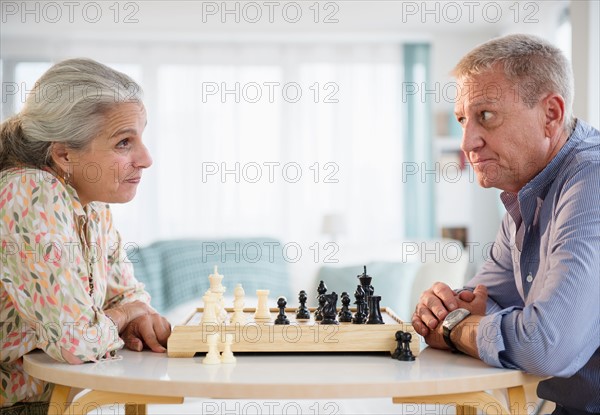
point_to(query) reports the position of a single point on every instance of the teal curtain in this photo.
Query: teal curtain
(418, 169)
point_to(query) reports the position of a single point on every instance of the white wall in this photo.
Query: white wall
(173, 26)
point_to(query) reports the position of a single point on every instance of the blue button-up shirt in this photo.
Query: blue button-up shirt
(543, 277)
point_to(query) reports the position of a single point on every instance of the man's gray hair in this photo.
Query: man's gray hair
(67, 105)
(537, 66)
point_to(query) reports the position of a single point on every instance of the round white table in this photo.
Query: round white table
(146, 377)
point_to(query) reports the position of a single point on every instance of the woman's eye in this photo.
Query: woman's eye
(123, 143)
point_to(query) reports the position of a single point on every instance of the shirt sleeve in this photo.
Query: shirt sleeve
(557, 332)
(122, 286)
(45, 274)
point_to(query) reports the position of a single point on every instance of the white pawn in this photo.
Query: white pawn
(262, 308)
(212, 357)
(209, 315)
(227, 355)
(238, 316)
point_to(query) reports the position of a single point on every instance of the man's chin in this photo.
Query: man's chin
(486, 182)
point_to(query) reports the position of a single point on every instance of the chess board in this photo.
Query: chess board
(298, 336)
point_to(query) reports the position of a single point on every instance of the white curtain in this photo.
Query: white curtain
(265, 140)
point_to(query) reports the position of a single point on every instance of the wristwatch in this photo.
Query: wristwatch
(451, 320)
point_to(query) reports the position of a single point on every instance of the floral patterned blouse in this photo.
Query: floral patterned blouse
(50, 247)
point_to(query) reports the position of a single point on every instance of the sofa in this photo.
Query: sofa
(175, 272)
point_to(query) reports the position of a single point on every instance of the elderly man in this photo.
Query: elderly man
(535, 305)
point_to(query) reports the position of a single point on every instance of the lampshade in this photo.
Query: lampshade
(334, 224)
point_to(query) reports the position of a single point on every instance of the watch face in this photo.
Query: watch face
(455, 317)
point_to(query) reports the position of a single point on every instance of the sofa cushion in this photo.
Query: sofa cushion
(176, 271)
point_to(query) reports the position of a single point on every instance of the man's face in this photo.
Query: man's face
(503, 138)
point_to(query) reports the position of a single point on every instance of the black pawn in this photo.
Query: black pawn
(399, 345)
(345, 316)
(403, 351)
(374, 311)
(302, 313)
(329, 308)
(321, 289)
(359, 316)
(281, 317)
(404, 339)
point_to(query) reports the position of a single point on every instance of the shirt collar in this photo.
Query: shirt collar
(90, 211)
(531, 195)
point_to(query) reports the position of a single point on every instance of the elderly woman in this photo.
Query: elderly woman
(66, 285)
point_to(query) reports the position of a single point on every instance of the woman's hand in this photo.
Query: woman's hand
(149, 330)
(124, 314)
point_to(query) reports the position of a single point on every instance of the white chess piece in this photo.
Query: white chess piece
(238, 316)
(212, 357)
(227, 355)
(217, 288)
(209, 315)
(262, 308)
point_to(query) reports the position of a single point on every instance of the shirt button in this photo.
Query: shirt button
(529, 277)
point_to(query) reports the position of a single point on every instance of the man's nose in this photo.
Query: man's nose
(472, 137)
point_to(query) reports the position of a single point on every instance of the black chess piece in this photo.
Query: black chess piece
(365, 282)
(374, 311)
(359, 316)
(319, 310)
(281, 317)
(399, 345)
(345, 315)
(329, 308)
(302, 313)
(321, 289)
(406, 355)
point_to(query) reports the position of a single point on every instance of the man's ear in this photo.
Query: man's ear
(60, 156)
(554, 111)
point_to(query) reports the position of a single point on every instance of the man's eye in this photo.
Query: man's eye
(486, 115)
(461, 120)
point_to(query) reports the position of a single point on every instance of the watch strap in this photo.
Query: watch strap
(449, 343)
(451, 321)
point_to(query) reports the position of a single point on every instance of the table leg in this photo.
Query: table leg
(59, 400)
(135, 409)
(465, 410)
(466, 403)
(134, 404)
(516, 400)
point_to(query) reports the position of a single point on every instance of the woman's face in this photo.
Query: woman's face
(110, 168)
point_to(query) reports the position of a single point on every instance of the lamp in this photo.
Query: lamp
(334, 224)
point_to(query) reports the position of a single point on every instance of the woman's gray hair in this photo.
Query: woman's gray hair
(67, 105)
(537, 66)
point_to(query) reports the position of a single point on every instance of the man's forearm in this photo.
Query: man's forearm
(464, 335)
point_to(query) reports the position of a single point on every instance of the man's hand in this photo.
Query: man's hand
(475, 301)
(149, 330)
(435, 304)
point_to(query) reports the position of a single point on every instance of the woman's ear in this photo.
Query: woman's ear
(60, 156)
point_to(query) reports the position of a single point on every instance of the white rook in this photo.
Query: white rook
(262, 308)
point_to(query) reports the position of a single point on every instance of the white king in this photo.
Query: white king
(217, 288)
